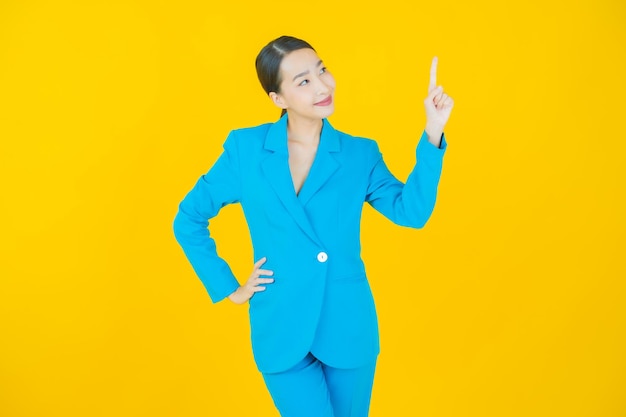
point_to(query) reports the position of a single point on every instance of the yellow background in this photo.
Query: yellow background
(511, 302)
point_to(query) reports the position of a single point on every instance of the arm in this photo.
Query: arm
(412, 203)
(215, 189)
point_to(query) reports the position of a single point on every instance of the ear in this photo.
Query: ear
(277, 100)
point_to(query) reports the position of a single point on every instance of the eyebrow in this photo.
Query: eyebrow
(306, 72)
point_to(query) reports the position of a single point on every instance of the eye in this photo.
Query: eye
(304, 82)
(323, 70)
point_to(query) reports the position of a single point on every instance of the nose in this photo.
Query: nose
(322, 88)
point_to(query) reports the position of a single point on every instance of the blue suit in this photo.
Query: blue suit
(320, 301)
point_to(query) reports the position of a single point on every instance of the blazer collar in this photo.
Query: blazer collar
(276, 170)
(276, 139)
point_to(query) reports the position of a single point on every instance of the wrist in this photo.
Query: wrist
(434, 135)
(234, 295)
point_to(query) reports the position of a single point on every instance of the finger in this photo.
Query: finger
(254, 281)
(258, 288)
(436, 100)
(446, 104)
(440, 99)
(436, 92)
(264, 272)
(260, 262)
(433, 75)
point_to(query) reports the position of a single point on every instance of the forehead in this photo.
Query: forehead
(298, 61)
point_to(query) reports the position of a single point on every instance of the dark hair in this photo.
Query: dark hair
(269, 59)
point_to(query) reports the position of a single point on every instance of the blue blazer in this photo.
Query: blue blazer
(320, 301)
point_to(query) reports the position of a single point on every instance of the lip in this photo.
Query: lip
(326, 102)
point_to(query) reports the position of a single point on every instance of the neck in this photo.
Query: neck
(303, 130)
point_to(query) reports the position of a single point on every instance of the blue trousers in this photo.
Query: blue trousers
(314, 389)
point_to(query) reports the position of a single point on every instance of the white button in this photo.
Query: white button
(322, 256)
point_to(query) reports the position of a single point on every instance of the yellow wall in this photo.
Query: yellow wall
(511, 302)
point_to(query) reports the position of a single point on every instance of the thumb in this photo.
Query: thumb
(429, 102)
(434, 93)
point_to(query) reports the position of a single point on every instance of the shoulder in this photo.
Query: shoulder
(251, 132)
(357, 144)
(357, 151)
(247, 137)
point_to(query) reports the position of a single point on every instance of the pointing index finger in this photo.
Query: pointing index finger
(433, 75)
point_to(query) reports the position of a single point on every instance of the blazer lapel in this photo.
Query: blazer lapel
(276, 170)
(324, 164)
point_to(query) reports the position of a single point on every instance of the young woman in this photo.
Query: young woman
(302, 185)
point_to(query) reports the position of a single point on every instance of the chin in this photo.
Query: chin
(326, 111)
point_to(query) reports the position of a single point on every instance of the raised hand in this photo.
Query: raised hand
(438, 106)
(253, 284)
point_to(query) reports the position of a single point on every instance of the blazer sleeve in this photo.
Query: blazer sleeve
(409, 204)
(220, 186)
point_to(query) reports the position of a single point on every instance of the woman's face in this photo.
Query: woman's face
(307, 87)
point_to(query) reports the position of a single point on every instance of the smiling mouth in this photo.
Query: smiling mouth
(325, 102)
